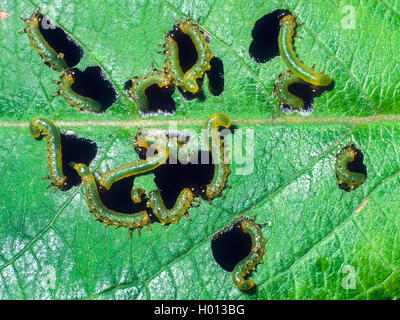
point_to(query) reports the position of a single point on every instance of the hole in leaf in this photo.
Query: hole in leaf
(216, 78)
(92, 83)
(78, 150)
(264, 46)
(60, 41)
(230, 245)
(171, 178)
(186, 49)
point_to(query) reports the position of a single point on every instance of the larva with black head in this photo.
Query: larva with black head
(187, 80)
(43, 127)
(289, 56)
(245, 266)
(136, 220)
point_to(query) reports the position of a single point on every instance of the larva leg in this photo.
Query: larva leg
(244, 267)
(44, 127)
(182, 204)
(100, 212)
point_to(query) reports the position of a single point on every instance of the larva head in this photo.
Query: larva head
(286, 17)
(190, 83)
(199, 191)
(83, 170)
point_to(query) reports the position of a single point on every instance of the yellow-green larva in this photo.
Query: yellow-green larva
(216, 147)
(281, 90)
(245, 266)
(137, 92)
(289, 57)
(43, 127)
(55, 60)
(72, 97)
(173, 215)
(188, 80)
(132, 221)
(178, 145)
(348, 180)
(137, 167)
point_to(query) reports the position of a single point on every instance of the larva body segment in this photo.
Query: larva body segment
(188, 80)
(173, 215)
(289, 57)
(100, 212)
(55, 60)
(137, 91)
(216, 147)
(348, 180)
(281, 90)
(44, 127)
(74, 99)
(137, 167)
(245, 266)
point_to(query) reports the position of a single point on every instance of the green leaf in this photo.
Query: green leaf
(320, 238)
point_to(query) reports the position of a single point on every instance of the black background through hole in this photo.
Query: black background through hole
(265, 34)
(358, 164)
(172, 178)
(186, 49)
(92, 83)
(216, 77)
(78, 150)
(229, 246)
(61, 42)
(307, 93)
(160, 99)
(118, 198)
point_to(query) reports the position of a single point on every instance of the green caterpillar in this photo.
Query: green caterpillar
(281, 90)
(44, 127)
(137, 167)
(221, 168)
(289, 57)
(173, 215)
(109, 217)
(254, 258)
(187, 80)
(348, 180)
(137, 92)
(55, 60)
(74, 99)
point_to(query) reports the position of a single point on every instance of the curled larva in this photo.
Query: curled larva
(173, 215)
(285, 97)
(187, 80)
(216, 147)
(137, 167)
(349, 180)
(245, 266)
(137, 90)
(43, 127)
(55, 60)
(72, 97)
(100, 212)
(289, 57)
